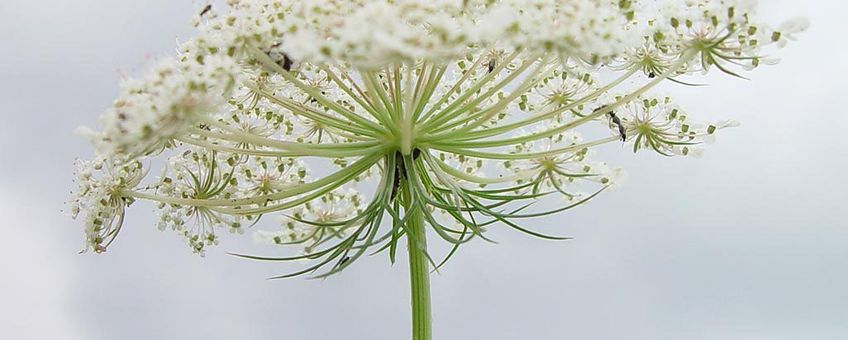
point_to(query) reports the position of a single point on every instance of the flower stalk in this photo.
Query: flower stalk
(419, 270)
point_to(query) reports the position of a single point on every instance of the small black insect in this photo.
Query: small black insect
(286, 62)
(395, 187)
(206, 10)
(617, 121)
(344, 260)
(651, 75)
(491, 65)
(399, 173)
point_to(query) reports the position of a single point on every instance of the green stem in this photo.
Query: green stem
(419, 271)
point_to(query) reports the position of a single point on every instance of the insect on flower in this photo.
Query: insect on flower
(205, 10)
(616, 122)
(281, 58)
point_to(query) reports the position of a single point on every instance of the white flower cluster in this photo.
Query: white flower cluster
(266, 176)
(197, 174)
(655, 123)
(151, 112)
(722, 31)
(376, 33)
(99, 199)
(317, 222)
(456, 107)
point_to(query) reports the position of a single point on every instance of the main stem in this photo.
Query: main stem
(419, 273)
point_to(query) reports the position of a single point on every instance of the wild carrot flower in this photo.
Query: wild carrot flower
(428, 119)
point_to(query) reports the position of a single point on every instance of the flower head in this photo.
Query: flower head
(455, 115)
(151, 112)
(99, 199)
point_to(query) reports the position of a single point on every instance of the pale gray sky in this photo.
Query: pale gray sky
(749, 242)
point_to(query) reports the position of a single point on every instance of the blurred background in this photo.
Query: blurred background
(748, 242)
